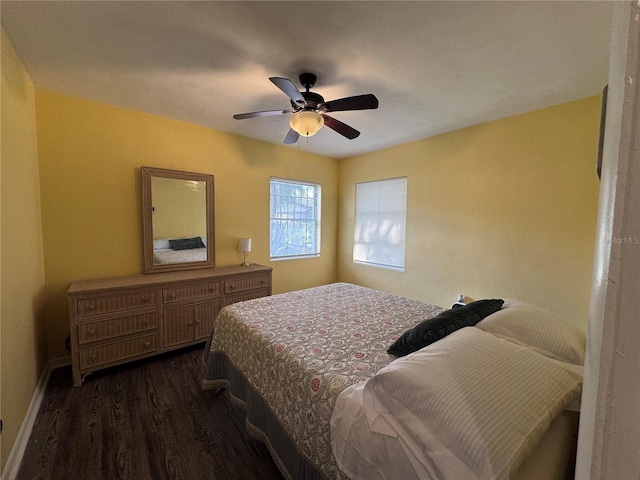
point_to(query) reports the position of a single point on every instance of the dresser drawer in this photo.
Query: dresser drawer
(113, 352)
(249, 283)
(115, 303)
(202, 290)
(115, 327)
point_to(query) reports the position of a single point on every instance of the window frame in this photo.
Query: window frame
(317, 220)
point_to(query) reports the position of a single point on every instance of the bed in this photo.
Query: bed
(311, 370)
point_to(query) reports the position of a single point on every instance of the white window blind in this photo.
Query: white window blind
(294, 219)
(380, 223)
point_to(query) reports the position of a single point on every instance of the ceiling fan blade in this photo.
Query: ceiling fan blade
(342, 128)
(292, 137)
(264, 113)
(358, 102)
(289, 89)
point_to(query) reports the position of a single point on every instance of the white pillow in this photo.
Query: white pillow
(161, 244)
(471, 405)
(538, 329)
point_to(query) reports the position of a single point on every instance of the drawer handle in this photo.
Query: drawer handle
(91, 306)
(190, 322)
(197, 322)
(91, 332)
(172, 295)
(147, 344)
(144, 299)
(145, 322)
(93, 356)
(262, 282)
(231, 287)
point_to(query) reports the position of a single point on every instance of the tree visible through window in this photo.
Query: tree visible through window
(380, 223)
(294, 219)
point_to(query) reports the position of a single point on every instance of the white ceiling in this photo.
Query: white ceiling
(434, 66)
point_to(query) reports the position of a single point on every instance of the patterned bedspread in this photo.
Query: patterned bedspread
(295, 353)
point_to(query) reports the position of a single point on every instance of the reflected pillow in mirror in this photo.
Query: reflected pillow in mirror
(186, 243)
(161, 244)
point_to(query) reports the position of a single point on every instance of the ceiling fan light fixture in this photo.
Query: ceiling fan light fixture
(306, 122)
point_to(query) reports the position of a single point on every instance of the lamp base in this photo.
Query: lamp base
(245, 264)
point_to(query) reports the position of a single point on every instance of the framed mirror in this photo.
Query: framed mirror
(177, 220)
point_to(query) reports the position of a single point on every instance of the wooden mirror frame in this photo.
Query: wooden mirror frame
(147, 221)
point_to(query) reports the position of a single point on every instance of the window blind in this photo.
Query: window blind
(380, 223)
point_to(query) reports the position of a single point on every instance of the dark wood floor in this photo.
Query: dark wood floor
(148, 420)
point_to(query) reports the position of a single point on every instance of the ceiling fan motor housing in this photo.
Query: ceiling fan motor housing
(308, 80)
(312, 99)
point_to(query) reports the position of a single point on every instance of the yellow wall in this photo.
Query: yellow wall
(503, 209)
(22, 345)
(90, 157)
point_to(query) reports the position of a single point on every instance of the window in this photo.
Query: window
(294, 219)
(380, 223)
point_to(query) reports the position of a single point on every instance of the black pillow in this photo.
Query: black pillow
(186, 243)
(433, 329)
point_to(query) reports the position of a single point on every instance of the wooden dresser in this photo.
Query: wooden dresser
(117, 320)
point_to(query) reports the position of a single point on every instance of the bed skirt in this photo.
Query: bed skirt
(260, 422)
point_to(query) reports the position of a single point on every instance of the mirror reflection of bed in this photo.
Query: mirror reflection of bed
(179, 250)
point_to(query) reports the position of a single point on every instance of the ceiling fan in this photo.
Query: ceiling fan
(310, 110)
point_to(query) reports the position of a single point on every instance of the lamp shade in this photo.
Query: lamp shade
(244, 245)
(306, 122)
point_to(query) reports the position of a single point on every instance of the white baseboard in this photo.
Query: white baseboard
(20, 445)
(60, 362)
